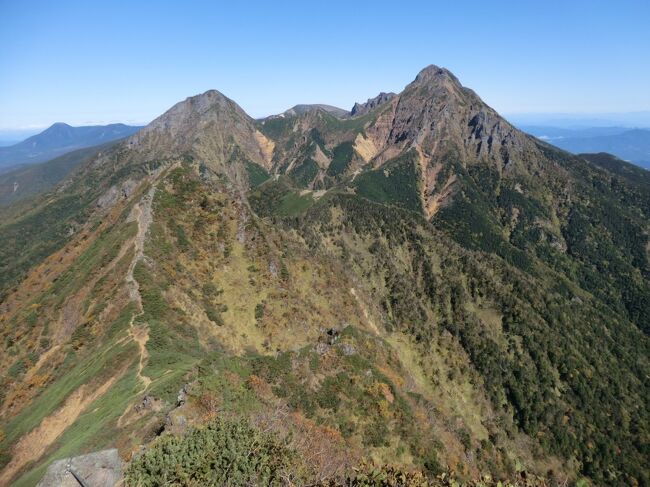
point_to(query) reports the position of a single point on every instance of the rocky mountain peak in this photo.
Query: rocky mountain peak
(380, 99)
(440, 119)
(436, 107)
(435, 73)
(210, 126)
(211, 105)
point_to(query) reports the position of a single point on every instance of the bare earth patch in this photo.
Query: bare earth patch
(33, 444)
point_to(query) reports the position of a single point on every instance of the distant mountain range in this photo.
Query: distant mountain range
(632, 145)
(59, 139)
(582, 120)
(29, 180)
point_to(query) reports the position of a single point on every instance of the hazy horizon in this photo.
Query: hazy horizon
(628, 120)
(84, 63)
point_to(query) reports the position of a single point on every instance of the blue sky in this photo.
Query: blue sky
(98, 61)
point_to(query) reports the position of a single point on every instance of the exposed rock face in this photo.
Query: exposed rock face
(444, 121)
(99, 469)
(435, 112)
(371, 104)
(434, 115)
(210, 127)
(114, 193)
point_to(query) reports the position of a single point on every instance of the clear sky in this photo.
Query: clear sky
(99, 61)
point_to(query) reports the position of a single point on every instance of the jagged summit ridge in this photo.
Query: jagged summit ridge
(372, 103)
(431, 115)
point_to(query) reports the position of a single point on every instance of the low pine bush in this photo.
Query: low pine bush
(222, 453)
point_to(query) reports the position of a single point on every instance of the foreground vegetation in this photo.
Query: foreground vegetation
(232, 453)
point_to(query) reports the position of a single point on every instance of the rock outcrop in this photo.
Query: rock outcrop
(371, 104)
(99, 469)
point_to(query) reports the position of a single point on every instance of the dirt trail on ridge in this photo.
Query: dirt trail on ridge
(141, 214)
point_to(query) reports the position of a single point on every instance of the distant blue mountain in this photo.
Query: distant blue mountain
(582, 120)
(8, 142)
(631, 145)
(59, 139)
(27, 181)
(550, 133)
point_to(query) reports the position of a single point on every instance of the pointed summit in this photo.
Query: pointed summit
(210, 126)
(434, 73)
(59, 129)
(57, 125)
(184, 116)
(437, 81)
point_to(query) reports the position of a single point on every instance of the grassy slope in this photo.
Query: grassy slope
(92, 354)
(80, 286)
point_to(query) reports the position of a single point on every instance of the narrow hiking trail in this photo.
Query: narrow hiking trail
(34, 444)
(141, 214)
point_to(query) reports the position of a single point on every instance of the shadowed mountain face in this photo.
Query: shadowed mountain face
(417, 282)
(59, 139)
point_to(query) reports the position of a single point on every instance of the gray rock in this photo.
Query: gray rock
(127, 188)
(321, 348)
(114, 193)
(182, 395)
(99, 469)
(108, 198)
(348, 349)
(332, 336)
(176, 420)
(371, 104)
